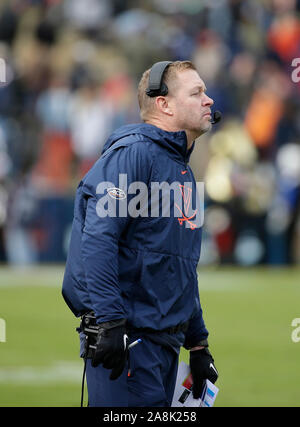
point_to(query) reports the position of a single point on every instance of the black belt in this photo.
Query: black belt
(182, 327)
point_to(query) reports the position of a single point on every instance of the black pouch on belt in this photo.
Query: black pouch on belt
(90, 329)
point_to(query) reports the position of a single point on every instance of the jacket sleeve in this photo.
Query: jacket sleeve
(106, 218)
(197, 330)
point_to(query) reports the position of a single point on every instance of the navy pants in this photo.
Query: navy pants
(152, 381)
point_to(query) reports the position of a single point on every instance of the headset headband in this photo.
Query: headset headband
(156, 86)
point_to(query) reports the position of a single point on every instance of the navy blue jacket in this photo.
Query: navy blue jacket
(141, 268)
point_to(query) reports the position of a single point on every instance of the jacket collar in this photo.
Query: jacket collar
(174, 142)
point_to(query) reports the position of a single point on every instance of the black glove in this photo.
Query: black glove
(202, 368)
(111, 347)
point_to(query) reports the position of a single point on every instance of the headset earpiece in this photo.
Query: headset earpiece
(156, 86)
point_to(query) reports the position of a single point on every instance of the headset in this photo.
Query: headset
(157, 87)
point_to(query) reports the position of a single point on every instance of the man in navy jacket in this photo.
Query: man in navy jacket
(135, 246)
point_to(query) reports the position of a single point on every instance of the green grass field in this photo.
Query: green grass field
(247, 311)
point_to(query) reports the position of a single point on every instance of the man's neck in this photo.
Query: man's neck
(191, 136)
(171, 128)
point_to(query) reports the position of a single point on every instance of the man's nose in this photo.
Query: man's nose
(208, 101)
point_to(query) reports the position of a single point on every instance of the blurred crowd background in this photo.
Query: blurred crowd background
(72, 69)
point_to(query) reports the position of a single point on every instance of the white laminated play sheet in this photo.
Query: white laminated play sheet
(183, 395)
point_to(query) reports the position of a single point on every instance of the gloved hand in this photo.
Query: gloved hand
(202, 368)
(111, 347)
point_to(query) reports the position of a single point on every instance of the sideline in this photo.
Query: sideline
(61, 372)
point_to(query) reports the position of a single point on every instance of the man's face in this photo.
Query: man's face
(190, 104)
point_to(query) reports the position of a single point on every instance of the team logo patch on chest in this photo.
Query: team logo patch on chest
(116, 193)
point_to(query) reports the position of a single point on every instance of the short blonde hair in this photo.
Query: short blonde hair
(146, 103)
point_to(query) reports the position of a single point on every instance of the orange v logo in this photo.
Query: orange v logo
(186, 194)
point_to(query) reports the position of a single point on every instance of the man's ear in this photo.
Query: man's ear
(163, 105)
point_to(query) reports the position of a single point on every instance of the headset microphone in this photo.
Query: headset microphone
(216, 117)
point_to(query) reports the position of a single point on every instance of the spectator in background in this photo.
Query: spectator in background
(90, 121)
